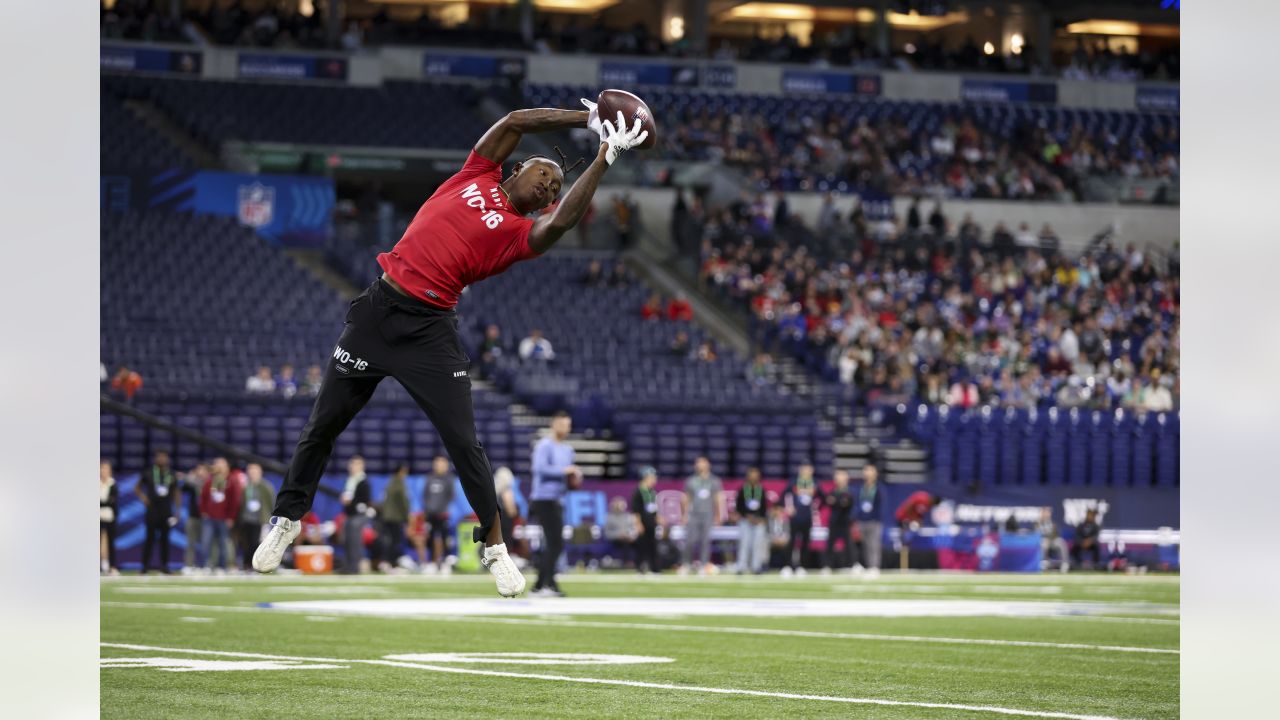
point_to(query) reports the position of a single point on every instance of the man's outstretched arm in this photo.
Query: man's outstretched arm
(549, 228)
(502, 138)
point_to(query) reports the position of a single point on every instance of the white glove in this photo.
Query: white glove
(620, 141)
(593, 119)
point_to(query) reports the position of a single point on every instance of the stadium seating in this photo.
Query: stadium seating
(785, 130)
(998, 446)
(197, 303)
(397, 114)
(128, 144)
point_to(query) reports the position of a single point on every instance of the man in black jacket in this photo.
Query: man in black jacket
(1086, 540)
(160, 493)
(840, 501)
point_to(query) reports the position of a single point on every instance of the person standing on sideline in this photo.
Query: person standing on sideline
(1086, 540)
(753, 515)
(192, 484)
(553, 474)
(357, 506)
(504, 483)
(392, 517)
(159, 492)
(840, 502)
(801, 497)
(255, 512)
(702, 502)
(219, 506)
(644, 506)
(868, 514)
(437, 496)
(108, 506)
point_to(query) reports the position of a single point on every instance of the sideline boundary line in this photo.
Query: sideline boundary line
(728, 630)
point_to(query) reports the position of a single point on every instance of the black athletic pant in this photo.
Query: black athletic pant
(389, 334)
(838, 532)
(1078, 550)
(392, 541)
(798, 551)
(156, 531)
(550, 518)
(247, 536)
(647, 549)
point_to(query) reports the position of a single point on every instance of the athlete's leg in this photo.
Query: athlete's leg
(445, 396)
(341, 397)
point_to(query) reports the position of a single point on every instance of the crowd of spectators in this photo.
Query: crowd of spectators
(140, 20)
(284, 383)
(497, 27)
(960, 316)
(960, 157)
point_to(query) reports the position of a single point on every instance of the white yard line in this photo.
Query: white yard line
(634, 683)
(727, 630)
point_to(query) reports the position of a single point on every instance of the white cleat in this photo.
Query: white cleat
(283, 532)
(510, 580)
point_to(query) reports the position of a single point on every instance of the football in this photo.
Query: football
(611, 102)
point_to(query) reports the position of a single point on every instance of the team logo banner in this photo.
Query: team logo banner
(1004, 91)
(291, 67)
(123, 58)
(806, 81)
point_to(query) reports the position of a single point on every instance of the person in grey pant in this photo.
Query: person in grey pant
(753, 509)
(703, 493)
(867, 510)
(357, 502)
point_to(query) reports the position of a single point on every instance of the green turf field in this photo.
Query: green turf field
(1074, 646)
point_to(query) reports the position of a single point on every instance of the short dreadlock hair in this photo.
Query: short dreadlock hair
(564, 165)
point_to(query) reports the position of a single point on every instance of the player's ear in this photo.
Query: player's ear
(516, 169)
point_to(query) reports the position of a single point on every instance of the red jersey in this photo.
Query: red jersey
(915, 507)
(465, 232)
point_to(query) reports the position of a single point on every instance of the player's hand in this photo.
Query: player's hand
(173, 521)
(593, 119)
(620, 139)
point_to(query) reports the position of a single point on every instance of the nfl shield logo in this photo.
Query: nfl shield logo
(257, 203)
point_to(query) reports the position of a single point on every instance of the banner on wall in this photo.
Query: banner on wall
(472, 66)
(627, 74)
(291, 67)
(808, 81)
(1157, 98)
(1008, 91)
(120, 58)
(287, 209)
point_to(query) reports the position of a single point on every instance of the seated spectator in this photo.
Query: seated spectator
(761, 371)
(1157, 397)
(594, 276)
(1056, 364)
(680, 345)
(261, 382)
(285, 381)
(491, 348)
(621, 276)
(706, 352)
(536, 347)
(311, 384)
(126, 381)
(678, 308)
(964, 394)
(652, 308)
(1086, 540)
